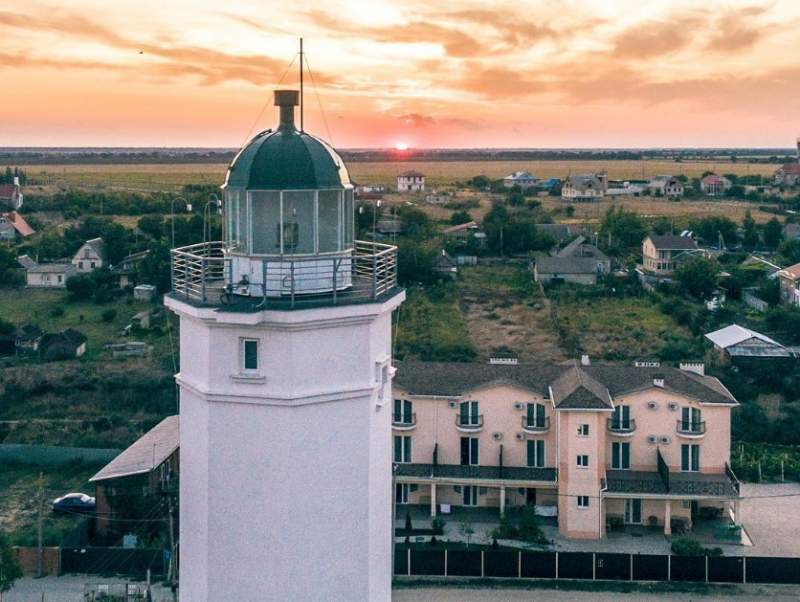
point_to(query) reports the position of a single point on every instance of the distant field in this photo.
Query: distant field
(439, 173)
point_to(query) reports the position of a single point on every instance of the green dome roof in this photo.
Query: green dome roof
(287, 159)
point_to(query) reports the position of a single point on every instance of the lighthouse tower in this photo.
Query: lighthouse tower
(285, 384)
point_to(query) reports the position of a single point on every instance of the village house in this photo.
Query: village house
(523, 179)
(67, 344)
(11, 195)
(411, 181)
(559, 232)
(736, 342)
(788, 174)
(584, 188)
(125, 270)
(464, 232)
(91, 256)
(714, 185)
(666, 186)
(48, 275)
(661, 252)
(577, 263)
(12, 224)
(27, 338)
(789, 282)
(129, 486)
(590, 446)
(445, 266)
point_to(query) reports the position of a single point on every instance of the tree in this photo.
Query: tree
(9, 568)
(698, 276)
(624, 227)
(81, 286)
(152, 225)
(710, 228)
(460, 217)
(773, 233)
(750, 239)
(467, 530)
(415, 263)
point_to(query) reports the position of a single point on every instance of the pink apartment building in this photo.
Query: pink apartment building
(648, 445)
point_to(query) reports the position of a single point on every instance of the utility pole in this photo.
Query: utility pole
(39, 518)
(172, 564)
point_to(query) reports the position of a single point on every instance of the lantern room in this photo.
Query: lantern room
(288, 195)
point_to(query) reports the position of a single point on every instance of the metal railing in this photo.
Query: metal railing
(684, 427)
(203, 273)
(404, 420)
(469, 421)
(616, 425)
(532, 424)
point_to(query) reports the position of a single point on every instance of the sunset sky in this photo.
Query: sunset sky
(443, 73)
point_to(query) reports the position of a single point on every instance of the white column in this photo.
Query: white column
(502, 500)
(433, 499)
(667, 517)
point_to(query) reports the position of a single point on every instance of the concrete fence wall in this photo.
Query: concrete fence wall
(54, 455)
(28, 560)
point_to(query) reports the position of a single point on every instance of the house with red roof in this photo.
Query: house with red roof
(11, 195)
(789, 279)
(788, 175)
(12, 224)
(714, 185)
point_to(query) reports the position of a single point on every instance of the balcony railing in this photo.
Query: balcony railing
(691, 429)
(404, 422)
(471, 422)
(621, 427)
(532, 425)
(202, 273)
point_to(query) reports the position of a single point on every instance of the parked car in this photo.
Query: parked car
(74, 502)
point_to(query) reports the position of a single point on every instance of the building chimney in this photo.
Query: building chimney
(287, 100)
(585, 361)
(694, 367)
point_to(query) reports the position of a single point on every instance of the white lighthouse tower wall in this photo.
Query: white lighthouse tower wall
(286, 472)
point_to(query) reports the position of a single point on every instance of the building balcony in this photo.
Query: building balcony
(621, 428)
(461, 473)
(203, 275)
(691, 430)
(534, 426)
(469, 424)
(404, 422)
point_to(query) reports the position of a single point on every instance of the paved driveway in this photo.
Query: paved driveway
(771, 517)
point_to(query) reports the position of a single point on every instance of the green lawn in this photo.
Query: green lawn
(24, 305)
(618, 328)
(18, 507)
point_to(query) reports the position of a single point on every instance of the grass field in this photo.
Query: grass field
(23, 305)
(439, 173)
(20, 484)
(613, 328)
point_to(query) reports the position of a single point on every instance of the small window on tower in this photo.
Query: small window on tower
(250, 355)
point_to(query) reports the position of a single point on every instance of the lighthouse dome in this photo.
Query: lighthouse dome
(287, 158)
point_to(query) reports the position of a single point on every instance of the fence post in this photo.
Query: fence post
(594, 566)
(744, 569)
(706, 557)
(445, 562)
(669, 567)
(519, 564)
(483, 552)
(556, 565)
(630, 557)
(408, 561)
(759, 471)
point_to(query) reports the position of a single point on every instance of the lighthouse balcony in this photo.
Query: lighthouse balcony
(209, 274)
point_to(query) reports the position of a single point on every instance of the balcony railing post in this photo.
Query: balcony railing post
(203, 278)
(374, 273)
(291, 277)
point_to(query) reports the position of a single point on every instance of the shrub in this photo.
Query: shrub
(684, 546)
(437, 524)
(56, 311)
(109, 315)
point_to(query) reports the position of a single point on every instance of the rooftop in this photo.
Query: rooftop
(672, 242)
(456, 379)
(146, 453)
(566, 265)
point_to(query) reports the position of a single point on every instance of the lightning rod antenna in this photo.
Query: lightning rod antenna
(301, 85)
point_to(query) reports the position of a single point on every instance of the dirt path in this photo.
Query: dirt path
(505, 311)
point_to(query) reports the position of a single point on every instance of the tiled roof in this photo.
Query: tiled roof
(146, 453)
(51, 268)
(454, 379)
(672, 242)
(576, 389)
(19, 223)
(792, 271)
(411, 174)
(790, 168)
(566, 265)
(7, 191)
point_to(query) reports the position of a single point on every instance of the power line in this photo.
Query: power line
(319, 102)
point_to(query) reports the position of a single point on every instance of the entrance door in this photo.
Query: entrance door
(633, 512)
(530, 496)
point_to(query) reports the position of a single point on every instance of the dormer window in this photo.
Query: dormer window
(658, 381)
